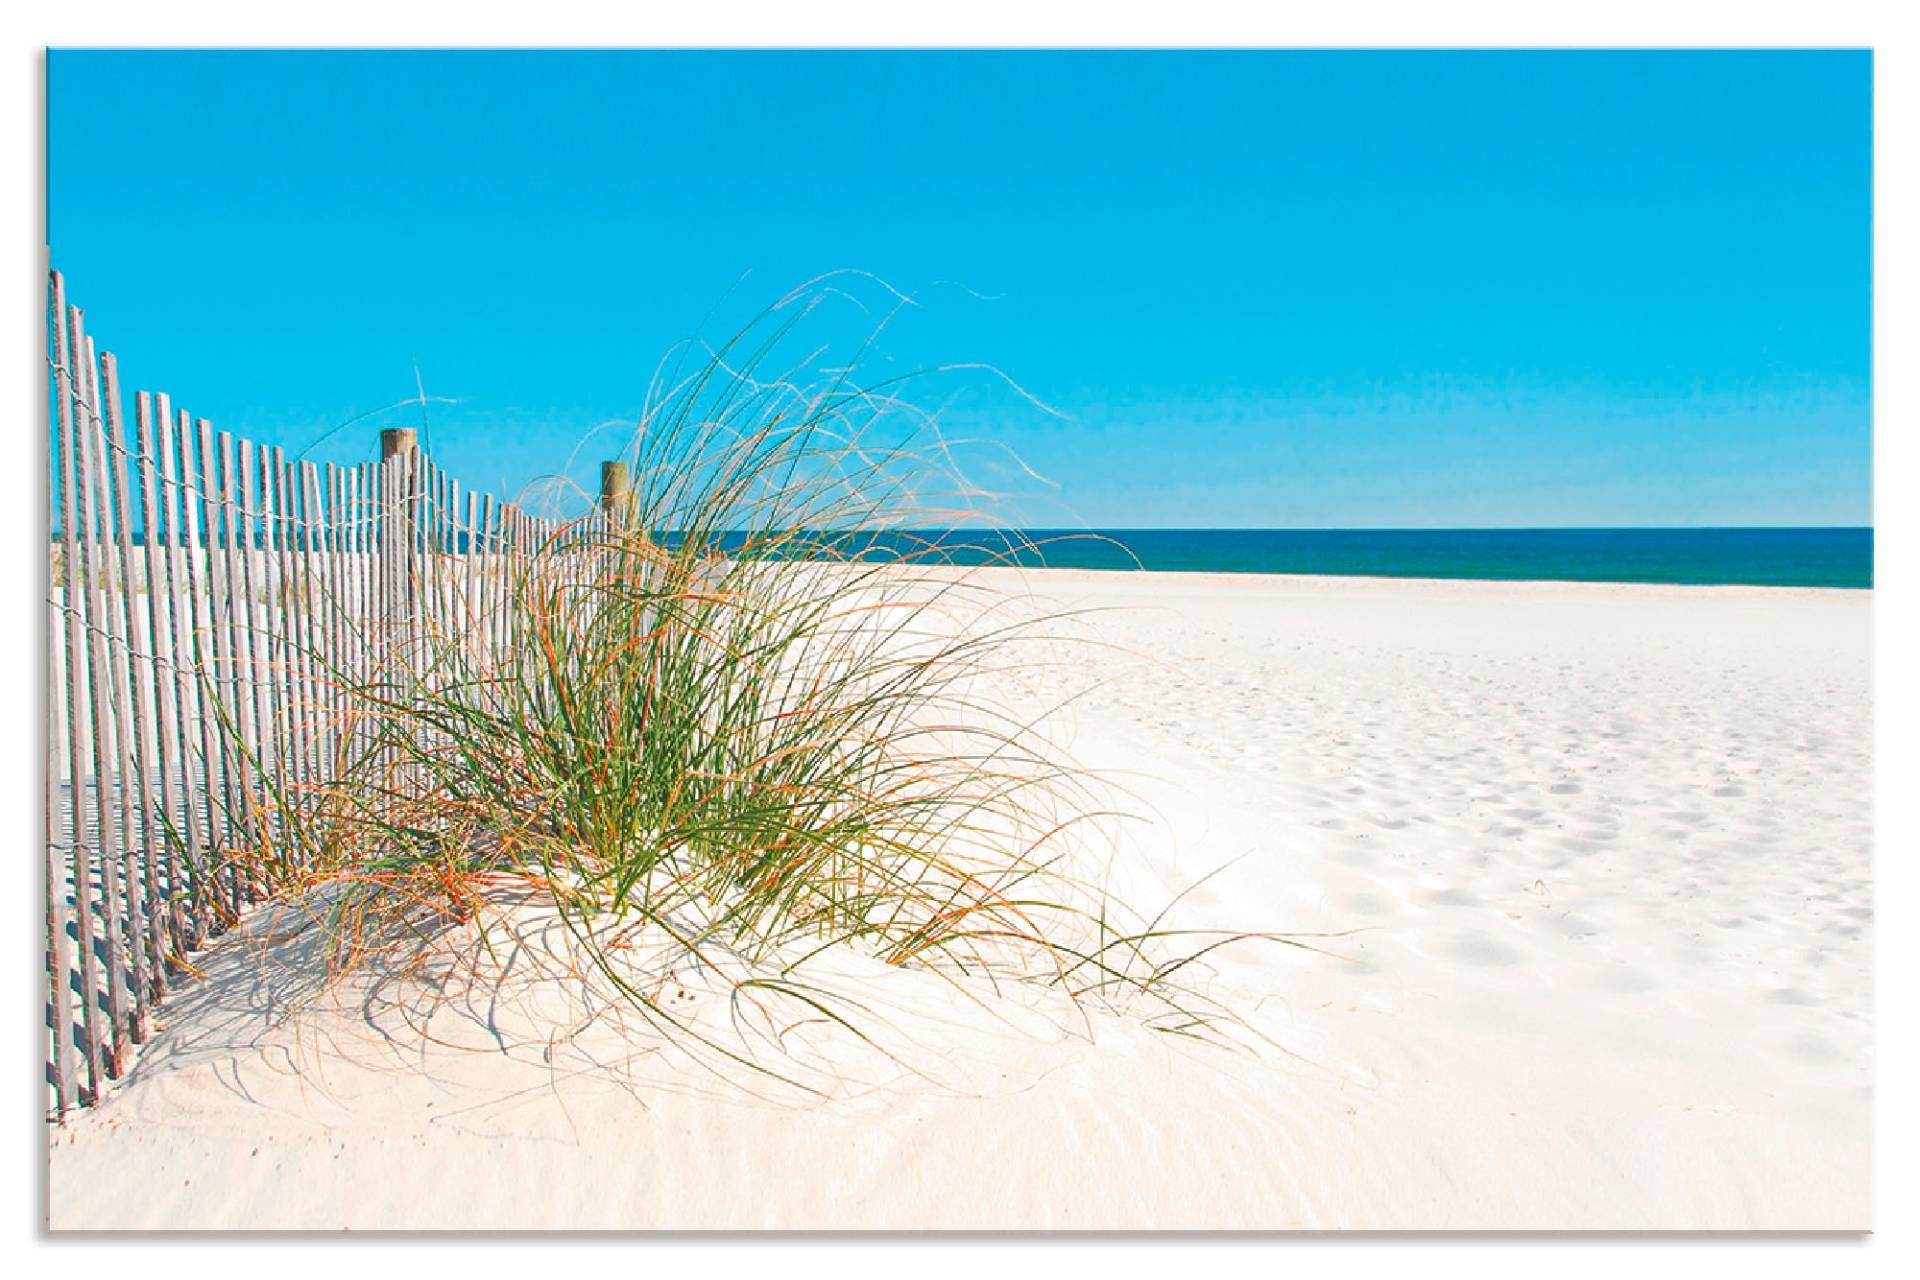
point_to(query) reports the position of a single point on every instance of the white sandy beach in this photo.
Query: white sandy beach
(1605, 850)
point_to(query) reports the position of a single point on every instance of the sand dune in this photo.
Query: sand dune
(1600, 857)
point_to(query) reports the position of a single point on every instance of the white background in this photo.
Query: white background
(974, 23)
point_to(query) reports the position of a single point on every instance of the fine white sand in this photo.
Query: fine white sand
(1605, 851)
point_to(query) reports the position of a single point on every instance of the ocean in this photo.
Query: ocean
(1768, 557)
(1777, 557)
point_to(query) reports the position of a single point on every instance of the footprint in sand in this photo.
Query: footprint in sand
(1574, 928)
(1623, 978)
(1476, 949)
(1812, 1048)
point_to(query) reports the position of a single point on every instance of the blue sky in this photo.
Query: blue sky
(1258, 289)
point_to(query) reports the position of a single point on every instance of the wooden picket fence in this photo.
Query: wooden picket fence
(214, 611)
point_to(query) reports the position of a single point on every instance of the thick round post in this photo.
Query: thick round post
(399, 553)
(395, 441)
(616, 493)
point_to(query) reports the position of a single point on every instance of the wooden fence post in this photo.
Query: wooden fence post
(616, 494)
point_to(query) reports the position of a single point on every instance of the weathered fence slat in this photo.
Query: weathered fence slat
(196, 473)
(61, 1064)
(111, 858)
(157, 535)
(223, 692)
(332, 584)
(75, 868)
(274, 643)
(488, 572)
(255, 691)
(295, 621)
(279, 739)
(303, 487)
(115, 588)
(132, 669)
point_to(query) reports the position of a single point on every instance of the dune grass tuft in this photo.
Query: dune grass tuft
(744, 723)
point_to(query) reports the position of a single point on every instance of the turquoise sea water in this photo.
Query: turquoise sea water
(1778, 557)
(1784, 557)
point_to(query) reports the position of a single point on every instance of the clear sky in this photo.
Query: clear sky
(1260, 289)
